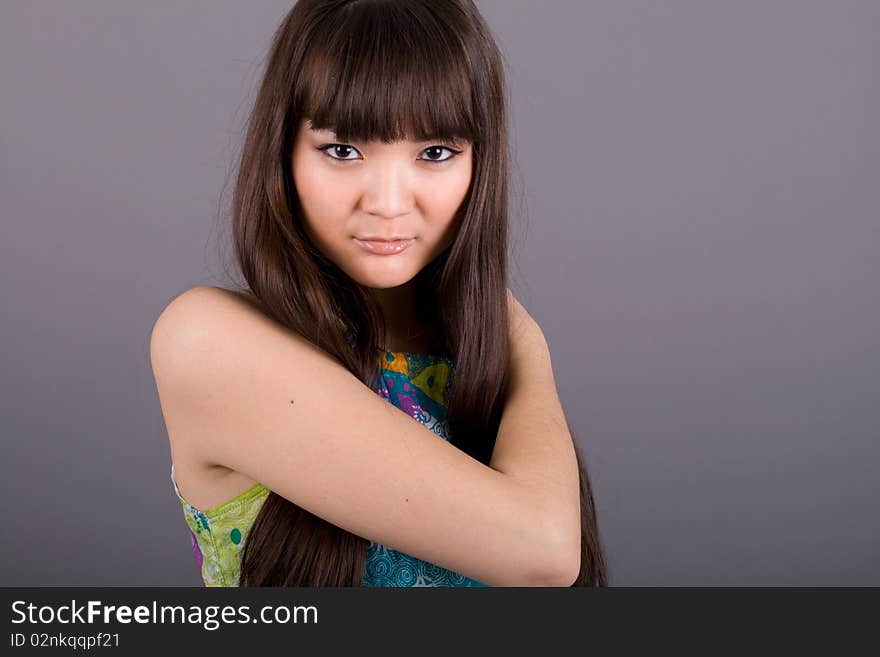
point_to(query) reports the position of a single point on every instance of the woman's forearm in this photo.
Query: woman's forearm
(533, 445)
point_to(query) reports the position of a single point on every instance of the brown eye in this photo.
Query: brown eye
(438, 150)
(340, 151)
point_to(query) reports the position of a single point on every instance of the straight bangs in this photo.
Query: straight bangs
(388, 72)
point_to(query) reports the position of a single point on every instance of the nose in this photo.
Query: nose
(388, 190)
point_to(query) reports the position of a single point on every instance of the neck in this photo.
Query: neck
(398, 305)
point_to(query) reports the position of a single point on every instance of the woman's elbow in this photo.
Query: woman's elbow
(561, 564)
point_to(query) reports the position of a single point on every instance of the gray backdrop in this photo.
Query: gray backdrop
(695, 227)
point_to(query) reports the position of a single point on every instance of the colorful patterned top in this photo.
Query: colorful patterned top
(418, 384)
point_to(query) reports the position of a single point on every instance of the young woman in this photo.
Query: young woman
(370, 223)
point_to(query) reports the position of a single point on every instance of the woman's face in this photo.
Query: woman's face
(349, 192)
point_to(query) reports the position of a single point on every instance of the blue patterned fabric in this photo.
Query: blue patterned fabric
(417, 384)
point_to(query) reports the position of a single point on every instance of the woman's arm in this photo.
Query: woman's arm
(534, 445)
(240, 391)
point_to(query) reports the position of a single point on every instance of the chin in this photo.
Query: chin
(384, 280)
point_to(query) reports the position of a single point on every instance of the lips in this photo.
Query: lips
(383, 246)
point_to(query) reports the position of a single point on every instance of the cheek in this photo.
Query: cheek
(322, 198)
(446, 198)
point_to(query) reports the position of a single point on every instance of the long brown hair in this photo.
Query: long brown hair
(389, 70)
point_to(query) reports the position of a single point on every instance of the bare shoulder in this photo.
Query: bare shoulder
(181, 339)
(199, 309)
(201, 323)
